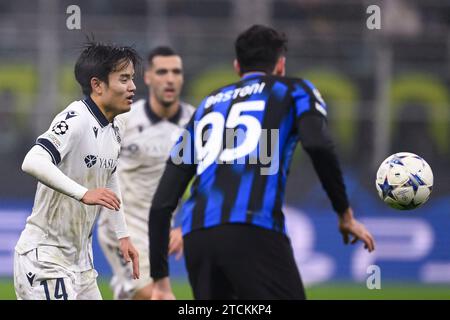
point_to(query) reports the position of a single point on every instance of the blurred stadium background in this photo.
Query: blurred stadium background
(387, 91)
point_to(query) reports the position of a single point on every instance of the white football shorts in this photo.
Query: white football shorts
(41, 280)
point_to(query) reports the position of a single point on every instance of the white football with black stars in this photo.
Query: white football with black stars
(404, 181)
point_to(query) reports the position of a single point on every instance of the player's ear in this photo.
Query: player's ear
(280, 67)
(237, 67)
(96, 85)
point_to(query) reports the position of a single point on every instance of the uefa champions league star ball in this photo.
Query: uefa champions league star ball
(404, 181)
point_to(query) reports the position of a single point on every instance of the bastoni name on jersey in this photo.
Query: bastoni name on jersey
(233, 94)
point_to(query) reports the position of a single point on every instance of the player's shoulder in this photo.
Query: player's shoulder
(187, 109)
(74, 115)
(305, 86)
(291, 81)
(73, 110)
(70, 122)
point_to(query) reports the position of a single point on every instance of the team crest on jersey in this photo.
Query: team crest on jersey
(60, 128)
(71, 114)
(90, 160)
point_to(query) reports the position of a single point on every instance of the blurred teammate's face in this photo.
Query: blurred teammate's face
(165, 79)
(117, 96)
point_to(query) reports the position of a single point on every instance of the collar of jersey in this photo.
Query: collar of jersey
(250, 75)
(154, 118)
(96, 112)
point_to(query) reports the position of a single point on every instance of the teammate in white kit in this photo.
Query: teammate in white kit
(75, 162)
(151, 127)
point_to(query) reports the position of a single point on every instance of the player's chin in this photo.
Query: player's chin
(169, 100)
(126, 106)
(169, 95)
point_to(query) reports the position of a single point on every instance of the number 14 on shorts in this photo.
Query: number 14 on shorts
(54, 289)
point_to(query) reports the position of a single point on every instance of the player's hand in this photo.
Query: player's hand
(349, 226)
(176, 243)
(103, 197)
(129, 253)
(162, 290)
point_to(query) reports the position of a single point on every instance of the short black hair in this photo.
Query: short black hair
(99, 60)
(259, 47)
(164, 51)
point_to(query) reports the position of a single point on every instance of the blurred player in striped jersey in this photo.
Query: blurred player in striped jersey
(236, 245)
(75, 162)
(152, 126)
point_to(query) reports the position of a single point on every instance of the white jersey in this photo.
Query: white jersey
(85, 147)
(146, 145)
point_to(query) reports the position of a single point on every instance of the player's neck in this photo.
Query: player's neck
(253, 73)
(108, 114)
(162, 111)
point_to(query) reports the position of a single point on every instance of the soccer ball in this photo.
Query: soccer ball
(404, 181)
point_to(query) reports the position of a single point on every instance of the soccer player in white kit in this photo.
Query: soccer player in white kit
(151, 127)
(75, 162)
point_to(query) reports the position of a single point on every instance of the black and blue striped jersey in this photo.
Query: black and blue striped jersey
(242, 138)
(238, 146)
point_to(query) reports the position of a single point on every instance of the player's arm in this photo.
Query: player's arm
(170, 189)
(52, 147)
(119, 224)
(162, 290)
(316, 140)
(179, 171)
(180, 168)
(39, 163)
(176, 244)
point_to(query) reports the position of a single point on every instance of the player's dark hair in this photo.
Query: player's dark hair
(259, 48)
(160, 51)
(99, 60)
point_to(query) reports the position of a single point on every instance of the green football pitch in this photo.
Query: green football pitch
(345, 291)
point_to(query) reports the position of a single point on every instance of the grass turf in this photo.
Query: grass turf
(328, 291)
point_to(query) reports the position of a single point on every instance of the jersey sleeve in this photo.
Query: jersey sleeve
(62, 136)
(316, 139)
(307, 99)
(38, 163)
